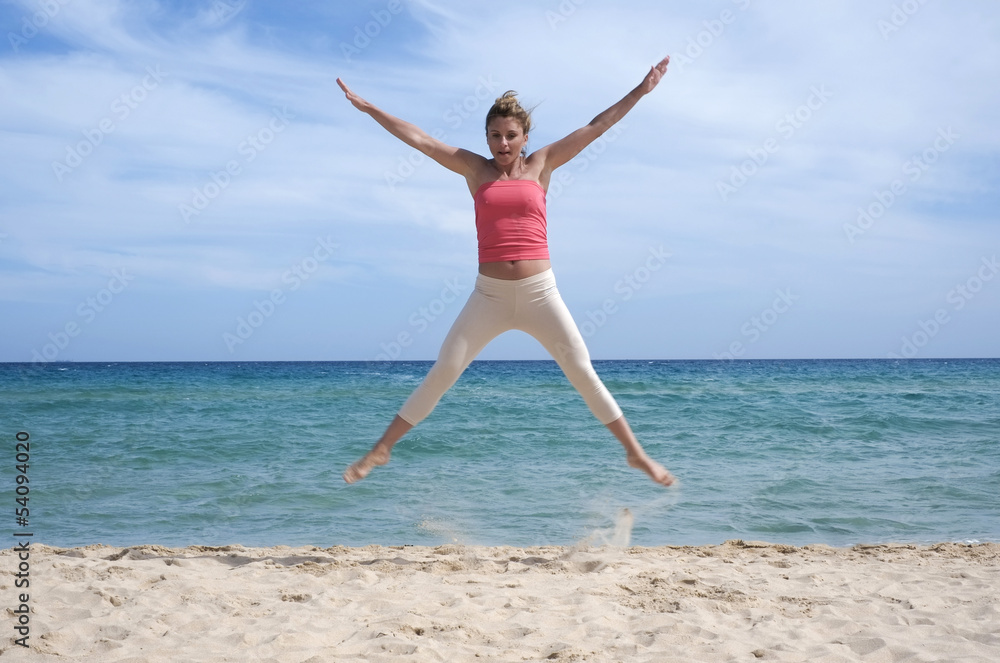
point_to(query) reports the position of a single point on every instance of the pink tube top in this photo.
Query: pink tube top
(510, 221)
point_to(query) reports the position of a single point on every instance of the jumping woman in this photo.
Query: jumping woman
(515, 288)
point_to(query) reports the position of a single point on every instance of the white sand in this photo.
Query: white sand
(734, 602)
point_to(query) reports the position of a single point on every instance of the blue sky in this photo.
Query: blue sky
(185, 181)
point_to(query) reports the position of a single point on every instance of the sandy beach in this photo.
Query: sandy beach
(739, 601)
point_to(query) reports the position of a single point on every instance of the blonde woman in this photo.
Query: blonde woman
(515, 288)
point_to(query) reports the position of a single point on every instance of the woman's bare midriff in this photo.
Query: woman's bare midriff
(511, 270)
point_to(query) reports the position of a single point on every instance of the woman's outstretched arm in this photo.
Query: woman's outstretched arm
(455, 159)
(562, 151)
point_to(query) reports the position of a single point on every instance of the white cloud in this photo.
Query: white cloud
(735, 78)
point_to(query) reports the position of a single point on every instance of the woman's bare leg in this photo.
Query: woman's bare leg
(636, 455)
(379, 455)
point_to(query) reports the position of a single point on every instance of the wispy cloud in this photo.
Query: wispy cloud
(118, 115)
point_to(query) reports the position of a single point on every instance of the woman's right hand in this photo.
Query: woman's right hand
(355, 100)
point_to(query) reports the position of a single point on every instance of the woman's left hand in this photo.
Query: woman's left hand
(655, 74)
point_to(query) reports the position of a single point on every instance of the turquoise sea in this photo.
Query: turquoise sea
(818, 451)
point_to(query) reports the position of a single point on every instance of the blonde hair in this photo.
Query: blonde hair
(509, 106)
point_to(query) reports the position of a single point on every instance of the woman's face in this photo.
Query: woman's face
(506, 138)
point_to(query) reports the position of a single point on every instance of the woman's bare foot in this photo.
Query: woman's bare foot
(379, 455)
(360, 469)
(656, 472)
(637, 457)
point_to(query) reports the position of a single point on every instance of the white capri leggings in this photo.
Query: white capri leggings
(532, 305)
